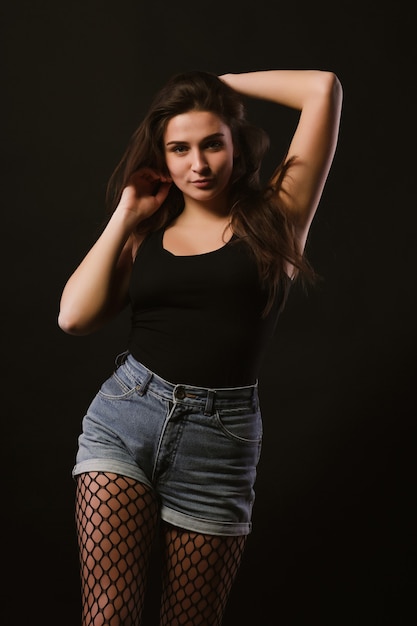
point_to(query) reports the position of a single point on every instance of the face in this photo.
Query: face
(199, 155)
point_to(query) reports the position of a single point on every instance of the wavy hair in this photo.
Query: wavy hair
(257, 216)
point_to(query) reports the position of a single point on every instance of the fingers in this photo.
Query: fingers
(162, 191)
(150, 175)
(149, 182)
(145, 192)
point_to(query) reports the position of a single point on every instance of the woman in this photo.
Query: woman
(204, 254)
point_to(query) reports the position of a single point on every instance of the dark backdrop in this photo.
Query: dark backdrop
(334, 522)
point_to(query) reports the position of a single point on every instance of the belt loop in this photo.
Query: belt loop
(144, 384)
(208, 409)
(121, 358)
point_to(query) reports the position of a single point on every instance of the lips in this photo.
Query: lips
(203, 182)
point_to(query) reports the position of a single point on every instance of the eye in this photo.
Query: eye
(215, 144)
(179, 149)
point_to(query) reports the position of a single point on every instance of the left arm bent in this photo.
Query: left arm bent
(318, 96)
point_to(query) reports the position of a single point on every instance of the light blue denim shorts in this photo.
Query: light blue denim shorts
(198, 448)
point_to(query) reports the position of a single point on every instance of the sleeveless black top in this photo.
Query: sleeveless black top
(197, 319)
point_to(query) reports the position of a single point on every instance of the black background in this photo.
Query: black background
(335, 517)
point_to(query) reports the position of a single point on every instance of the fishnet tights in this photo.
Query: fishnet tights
(198, 573)
(116, 520)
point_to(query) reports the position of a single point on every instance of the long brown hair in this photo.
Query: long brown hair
(257, 216)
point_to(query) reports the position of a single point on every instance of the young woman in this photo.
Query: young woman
(204, 254)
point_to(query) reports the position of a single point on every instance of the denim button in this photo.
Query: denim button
(180, 393)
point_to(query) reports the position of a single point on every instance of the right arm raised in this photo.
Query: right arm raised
(98, 288)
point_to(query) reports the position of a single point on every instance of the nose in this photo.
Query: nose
(199, 162)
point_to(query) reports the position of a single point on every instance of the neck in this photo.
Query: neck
(213, 211)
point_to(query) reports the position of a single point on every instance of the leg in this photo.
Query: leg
(198, 573)
(116, 519)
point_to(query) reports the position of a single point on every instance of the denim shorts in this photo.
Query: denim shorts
(197, 448)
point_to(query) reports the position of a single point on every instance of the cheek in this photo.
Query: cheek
(226, 167)
(174, 175)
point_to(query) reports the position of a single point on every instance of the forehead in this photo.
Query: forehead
(195, 125)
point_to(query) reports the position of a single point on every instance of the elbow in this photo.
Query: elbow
(71, 324)
(336, 89)
(330, 85)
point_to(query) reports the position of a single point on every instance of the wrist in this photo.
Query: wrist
(124, 219)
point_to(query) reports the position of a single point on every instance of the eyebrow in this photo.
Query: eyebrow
(213, 136)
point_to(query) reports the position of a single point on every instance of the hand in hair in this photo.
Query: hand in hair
(145, 192)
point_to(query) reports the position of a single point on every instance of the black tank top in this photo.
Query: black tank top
(197, 319)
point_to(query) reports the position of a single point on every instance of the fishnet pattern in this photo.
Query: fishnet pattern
(198, 573)
(116, 519)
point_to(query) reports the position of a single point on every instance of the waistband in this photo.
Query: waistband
(188, 394)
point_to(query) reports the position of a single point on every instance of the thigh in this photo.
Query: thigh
(198, 574)
(116, 519)
(114, 510)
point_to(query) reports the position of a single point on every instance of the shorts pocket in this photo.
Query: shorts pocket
(118, 385)
(241, 425)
